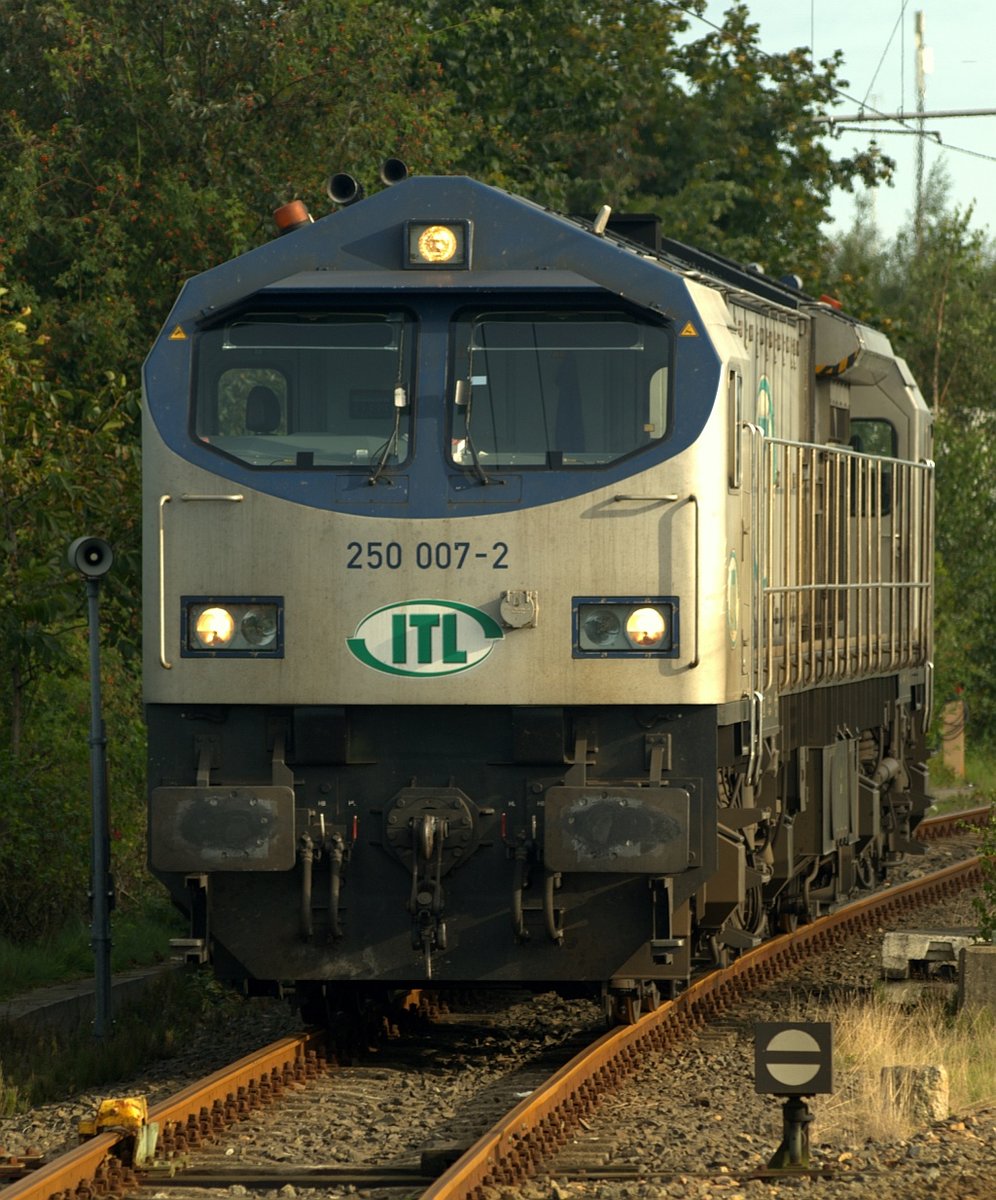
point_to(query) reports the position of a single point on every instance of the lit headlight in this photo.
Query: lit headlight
(438, 244)
(621, 627)
(234, 627)
(213, 628)
(646, 628)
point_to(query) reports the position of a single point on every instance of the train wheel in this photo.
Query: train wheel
(625, 1007)
(621, 1008)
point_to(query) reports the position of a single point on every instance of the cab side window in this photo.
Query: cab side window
(871, 482)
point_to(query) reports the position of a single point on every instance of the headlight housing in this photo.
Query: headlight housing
(233, 627)
(437, 245)
(625, 627)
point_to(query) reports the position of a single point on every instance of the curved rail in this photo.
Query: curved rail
(506, 1154)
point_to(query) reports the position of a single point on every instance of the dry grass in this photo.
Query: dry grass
(876, 1033)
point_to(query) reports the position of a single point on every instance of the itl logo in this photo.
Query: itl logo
(424, 637)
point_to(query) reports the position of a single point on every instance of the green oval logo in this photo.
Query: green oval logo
(424, 637)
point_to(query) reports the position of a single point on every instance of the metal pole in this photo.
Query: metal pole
(100, 894)
(793, 1153)
(921, 87)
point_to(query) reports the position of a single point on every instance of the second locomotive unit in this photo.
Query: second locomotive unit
(527, 599)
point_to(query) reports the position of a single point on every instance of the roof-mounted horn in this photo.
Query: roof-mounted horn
(343, 189)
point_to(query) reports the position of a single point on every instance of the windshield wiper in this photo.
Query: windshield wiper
(400, 402)
(462, 399)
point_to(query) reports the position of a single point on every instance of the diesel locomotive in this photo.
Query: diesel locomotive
(528, 599)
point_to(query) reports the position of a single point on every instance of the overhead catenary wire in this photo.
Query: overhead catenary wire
(901, 119)
(898, 25)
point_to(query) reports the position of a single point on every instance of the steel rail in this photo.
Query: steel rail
(74, 1172)
(509, 1152)
(948, 824)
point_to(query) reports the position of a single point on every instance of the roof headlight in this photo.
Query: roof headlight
(646, 627)
(438, 244)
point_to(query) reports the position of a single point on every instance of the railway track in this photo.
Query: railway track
(949, 824)
(530, 1132)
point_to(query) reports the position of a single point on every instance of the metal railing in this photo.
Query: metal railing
(843, 563)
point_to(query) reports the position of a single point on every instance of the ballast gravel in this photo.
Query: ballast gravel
(689, 1124)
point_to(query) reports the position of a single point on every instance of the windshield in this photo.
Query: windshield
(307, 388)
(569, 388)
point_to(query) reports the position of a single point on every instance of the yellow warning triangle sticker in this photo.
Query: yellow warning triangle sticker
(689, 330)
(178, 335)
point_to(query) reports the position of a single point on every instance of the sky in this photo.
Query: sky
(877, 38)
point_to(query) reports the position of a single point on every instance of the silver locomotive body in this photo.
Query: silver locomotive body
(522, 604)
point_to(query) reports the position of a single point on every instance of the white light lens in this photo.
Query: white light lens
(437, 243)
(259, 626)
(601, 626)
(214, 627)
(646, 627)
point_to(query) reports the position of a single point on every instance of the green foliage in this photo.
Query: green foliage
(935, 297)
(45, 835)
(965, 621)
(56, 443)
(140, 937)
(739, 160)
(152, 141)
(547, 90)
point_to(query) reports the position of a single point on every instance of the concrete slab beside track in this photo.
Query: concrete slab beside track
(70, 1006)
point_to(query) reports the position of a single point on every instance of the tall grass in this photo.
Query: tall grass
(977, 786)
(139, 938)
(877, 1033)
(38, 1065)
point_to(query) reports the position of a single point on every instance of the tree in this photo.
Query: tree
(59, 477)
(47, 497)
(547, 90)
(937, 300)
(582, 102)
(151, 141)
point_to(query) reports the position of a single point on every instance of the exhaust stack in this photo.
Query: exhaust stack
(393, 170)
(343, 189)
